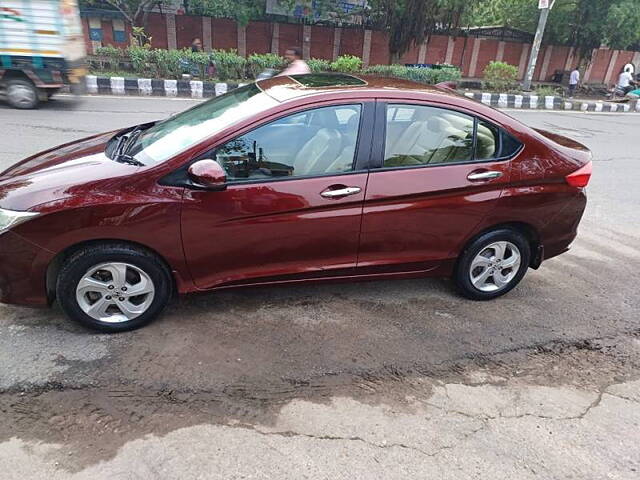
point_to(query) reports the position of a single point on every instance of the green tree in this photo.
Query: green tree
(585, 24)
(408, 22)
(136, 12)
(241, 11)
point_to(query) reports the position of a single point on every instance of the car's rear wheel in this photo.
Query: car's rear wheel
(493, 264)
(113, 288)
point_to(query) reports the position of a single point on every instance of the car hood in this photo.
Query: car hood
(62, 172)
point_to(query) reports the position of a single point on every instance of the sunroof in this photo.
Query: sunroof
(328, 80)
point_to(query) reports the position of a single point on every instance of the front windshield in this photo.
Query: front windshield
(176, 134)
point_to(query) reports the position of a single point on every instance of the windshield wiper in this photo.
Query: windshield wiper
(132, 138)
(123, 145)
(129, 160)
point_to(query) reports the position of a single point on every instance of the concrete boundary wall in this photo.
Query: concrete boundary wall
(472, 54)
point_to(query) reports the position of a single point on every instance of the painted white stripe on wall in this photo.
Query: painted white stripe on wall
(474, 56)
(92, 84)
(197, 88)
(517, 102)
(117, 85)
(568, 106)
(144, 86)
(469, 94)
(524, 57)
(172, 39)
(611, 66)
(221, 89)
(275, 39)
(422, 52)
(545, 63)
(584, 107)
(171, 88)
(500, 54)
(533, 101)
(486, 98)
(614, 107)
(450, 46)
(599, 106)
(337, 38)
(548, 102)
(502, 100)
(366, 48)
(207, 38)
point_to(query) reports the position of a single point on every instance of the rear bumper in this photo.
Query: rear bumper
(562, 230)
(23, 268)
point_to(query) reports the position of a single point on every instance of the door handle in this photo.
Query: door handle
(484, 175)
(342, 192)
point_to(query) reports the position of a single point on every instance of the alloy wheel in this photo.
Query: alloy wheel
(495, 267)
(115, 292)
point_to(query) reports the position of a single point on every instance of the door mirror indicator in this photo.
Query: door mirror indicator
(208, 175)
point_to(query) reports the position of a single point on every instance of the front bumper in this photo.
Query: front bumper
(23, 269)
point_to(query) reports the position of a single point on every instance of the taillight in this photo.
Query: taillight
(580, 178)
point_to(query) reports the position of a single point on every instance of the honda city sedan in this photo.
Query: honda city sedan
(309, 178)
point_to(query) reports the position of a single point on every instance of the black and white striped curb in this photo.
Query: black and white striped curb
(534, 102)
(160, 88)
(199, 89)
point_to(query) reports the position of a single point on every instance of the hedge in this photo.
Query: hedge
(160, 63)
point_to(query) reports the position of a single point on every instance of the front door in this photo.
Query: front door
(293, 205)
(441, 172)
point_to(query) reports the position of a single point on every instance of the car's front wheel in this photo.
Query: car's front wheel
(493, 264)
(113, 288)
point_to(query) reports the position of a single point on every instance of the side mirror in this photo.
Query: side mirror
(208, 175)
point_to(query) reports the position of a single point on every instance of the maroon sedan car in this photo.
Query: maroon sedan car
(293, 179)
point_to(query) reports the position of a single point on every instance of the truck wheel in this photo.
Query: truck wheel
(22, 94)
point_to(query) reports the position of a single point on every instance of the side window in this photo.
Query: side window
(321, 141)
(493, 142)
(488, 145)
(432, 136)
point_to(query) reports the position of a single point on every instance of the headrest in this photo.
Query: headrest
(437, 124)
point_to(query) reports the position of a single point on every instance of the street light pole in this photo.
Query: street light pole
(537, 41)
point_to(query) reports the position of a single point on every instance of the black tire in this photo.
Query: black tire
(80, 262)
(22, 94)
(462, 274)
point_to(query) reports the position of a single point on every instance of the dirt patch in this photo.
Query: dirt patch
(94, 423)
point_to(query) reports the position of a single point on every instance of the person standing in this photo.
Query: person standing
(196, 45)
(296, 65)
(574, 80)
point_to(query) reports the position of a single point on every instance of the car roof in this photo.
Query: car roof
(289, 87)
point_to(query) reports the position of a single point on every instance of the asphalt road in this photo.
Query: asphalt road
(368, 380)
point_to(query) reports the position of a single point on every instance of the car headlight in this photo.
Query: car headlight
(9, 218)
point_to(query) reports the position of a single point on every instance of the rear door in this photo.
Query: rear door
(437, 173)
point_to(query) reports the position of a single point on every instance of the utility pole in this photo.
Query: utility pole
(545, 7)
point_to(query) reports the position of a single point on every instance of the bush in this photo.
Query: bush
(318, 65)
(430, 76)
(229, 65)
(347, 64)
(112, 57)
(546, 91)
(500, 76)
(259, 62)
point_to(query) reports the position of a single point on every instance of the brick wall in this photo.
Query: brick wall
(470, 54)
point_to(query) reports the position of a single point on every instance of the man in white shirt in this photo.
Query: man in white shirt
(296, 65)
(574, 80)
(625, 81)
